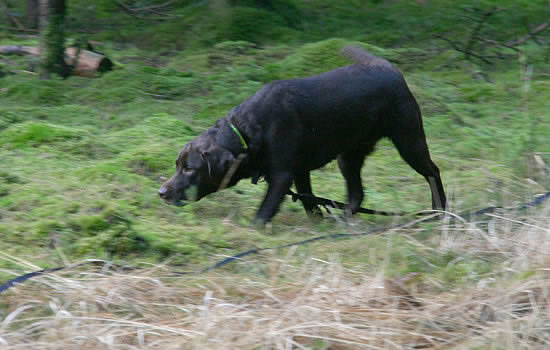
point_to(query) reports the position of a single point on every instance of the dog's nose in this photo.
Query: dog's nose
(162, 192)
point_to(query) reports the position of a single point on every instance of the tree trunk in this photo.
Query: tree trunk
(11, 19)
(31, 14)
(52, 38)
(43, 22)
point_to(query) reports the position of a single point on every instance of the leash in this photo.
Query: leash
(325, 202)
(431, 216)
(22, 278)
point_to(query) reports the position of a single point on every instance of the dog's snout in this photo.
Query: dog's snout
(163, 192)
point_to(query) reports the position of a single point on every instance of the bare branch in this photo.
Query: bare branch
(135, 11)
(156, 7)
(539, 29)
(456, 46)
(497, 43)
(475, 33)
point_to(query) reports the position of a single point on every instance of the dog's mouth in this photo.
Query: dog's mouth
(177, 203)
(180, 199)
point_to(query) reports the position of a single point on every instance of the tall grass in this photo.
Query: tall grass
(285, 301)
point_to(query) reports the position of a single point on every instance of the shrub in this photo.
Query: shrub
(252, 24)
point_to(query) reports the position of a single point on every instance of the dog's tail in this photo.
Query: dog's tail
(358, 55)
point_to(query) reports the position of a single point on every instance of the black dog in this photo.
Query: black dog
(290, 127)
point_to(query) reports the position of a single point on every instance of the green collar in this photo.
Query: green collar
(240, 136)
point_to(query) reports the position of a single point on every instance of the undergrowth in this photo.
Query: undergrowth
(82, 159)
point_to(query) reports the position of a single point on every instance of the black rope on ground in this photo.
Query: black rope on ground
(320, 201)
(310, 198)
(318, 238)
(27, 276)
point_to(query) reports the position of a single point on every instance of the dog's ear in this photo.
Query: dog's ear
(219, 161)
(225, 160)
(205, 158)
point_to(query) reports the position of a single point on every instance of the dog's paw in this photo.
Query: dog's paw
(261, 225)
(315, 214)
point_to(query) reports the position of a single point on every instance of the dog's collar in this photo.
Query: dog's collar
(243, 142)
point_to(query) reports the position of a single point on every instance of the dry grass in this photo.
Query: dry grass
(313, 304)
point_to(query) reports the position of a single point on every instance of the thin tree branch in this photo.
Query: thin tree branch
(498, 43)
(539, 29)
(20, 29)
(134, 11)
(475, 33)
(155, 7)
(455, 46)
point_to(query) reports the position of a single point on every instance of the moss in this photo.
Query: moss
(151, 160)
(47, 226)
(91, 147)
(9, 117)
(40, 92)
(90, 224)
(36, 133)
(318, 58)
(478, 92)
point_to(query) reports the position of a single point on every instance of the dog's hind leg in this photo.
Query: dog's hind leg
(303, 186)
(412, 146)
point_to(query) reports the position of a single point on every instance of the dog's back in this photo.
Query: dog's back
(361, 56)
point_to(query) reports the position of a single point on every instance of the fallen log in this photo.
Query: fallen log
(87, 64)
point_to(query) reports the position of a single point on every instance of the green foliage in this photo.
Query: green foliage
(252, 24)
(287, 9)
(8, 117)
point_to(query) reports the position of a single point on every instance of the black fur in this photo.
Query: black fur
(294, 126)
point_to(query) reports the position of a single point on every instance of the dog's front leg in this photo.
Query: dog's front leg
(279, 184)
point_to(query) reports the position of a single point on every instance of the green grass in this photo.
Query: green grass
(82, 159)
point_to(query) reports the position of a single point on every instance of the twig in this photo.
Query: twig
(157, 96)
(27, 72)
(20, 29)
(455, 46)
(125, 7)
(154, 7)
(135, 11)
(498, 43)
(539, 29)
(477, 29)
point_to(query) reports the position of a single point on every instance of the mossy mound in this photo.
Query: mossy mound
(319, 57)
(34, 134)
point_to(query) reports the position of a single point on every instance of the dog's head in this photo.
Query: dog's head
(201, 167)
